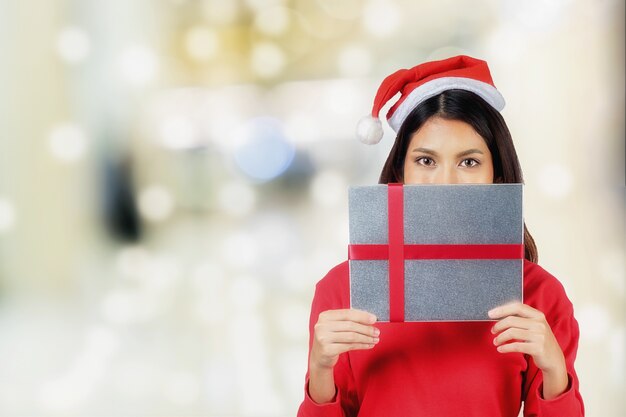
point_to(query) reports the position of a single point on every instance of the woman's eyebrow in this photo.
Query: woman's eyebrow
(469, 152)
(425, 150)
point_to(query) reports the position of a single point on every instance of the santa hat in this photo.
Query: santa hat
(422, 82)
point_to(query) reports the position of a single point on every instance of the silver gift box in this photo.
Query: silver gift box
(457, 288)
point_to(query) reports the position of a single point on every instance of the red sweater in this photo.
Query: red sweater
(447, 369)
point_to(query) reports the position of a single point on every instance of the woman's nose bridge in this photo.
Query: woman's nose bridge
(447, 175)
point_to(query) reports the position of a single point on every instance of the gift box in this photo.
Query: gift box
(448, 252)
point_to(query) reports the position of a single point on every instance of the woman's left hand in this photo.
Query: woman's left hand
(531, 333)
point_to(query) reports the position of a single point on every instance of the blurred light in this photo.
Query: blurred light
(354, 61)
(294, 279)
(616, 352)
(131, 261)
(536, 14)
(260, 5)
(67, 142)
(240, 250)
(207, 277)
(274, 21)
(201, 43)
(302, 127)
(246, 293)
(594, 322)
(344, 9)
(611, 268)
(293, 321)
(328, 188)
(278, 234)
(292, 365)
(220, 385)
(63, 394)
(381, 18)
(207, 282)
(7, 215)
(508, 44)
(220, 11)
(342, 99)
(267, 59)
(102, 341)
(161, 275)
(73, 45)
(138, 65)
(177, 132)
(120, 307)
(264, 153)
(182, 388)
(555, 181)
(236, 198)
(155, 203)
(249, 341)
(138, 378)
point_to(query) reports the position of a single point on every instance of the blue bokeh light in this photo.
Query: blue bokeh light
(265, 153)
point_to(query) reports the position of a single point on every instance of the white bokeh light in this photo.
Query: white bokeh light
(268, 59)
(155, 203)
(131, 261)
(220, 12)
(73, 45)
(208, 286)
(177, 132)
(354, 61)
(182, 388)
(240, 250)
(293, 321)
(138, 65)
(381, 18)
(236, 198)
(7, 215)
(273, 21)
(555, 181)
(67, 142)
(612, 270)
(246, 293)
(594, 322)
(302, 127)
(201, 43)
(329, 188)
(616, 352)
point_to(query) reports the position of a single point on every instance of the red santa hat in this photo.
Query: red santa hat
(424, 81)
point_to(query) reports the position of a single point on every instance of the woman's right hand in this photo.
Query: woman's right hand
(339, 331)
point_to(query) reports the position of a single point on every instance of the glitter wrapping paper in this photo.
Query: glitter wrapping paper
(464, 279)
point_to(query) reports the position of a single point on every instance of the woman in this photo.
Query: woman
(449, 130)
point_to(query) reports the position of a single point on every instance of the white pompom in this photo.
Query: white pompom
(369, 130)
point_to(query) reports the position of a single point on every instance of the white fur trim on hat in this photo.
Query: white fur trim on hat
(369, 130)
(438, 85)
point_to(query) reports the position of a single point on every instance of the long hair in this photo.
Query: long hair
(467, 107)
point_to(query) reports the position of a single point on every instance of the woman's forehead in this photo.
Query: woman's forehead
(446, 134)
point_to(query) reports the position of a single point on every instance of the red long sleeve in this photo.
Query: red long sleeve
(447, 368)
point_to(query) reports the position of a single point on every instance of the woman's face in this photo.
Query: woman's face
(447, 152)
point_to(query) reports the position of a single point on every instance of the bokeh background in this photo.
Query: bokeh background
(174, 173)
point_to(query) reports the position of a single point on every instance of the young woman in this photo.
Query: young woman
(449, 130)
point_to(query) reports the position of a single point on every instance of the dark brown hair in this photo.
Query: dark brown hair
(467, 107)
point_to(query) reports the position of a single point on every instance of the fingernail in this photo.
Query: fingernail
(373, 318)
(376, 340)
(492, 313)
(376, 332)
(493, 330)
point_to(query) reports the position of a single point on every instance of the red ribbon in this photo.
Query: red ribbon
(396, 251)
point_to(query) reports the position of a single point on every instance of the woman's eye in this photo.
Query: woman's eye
(424, 160)
(469, 162)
